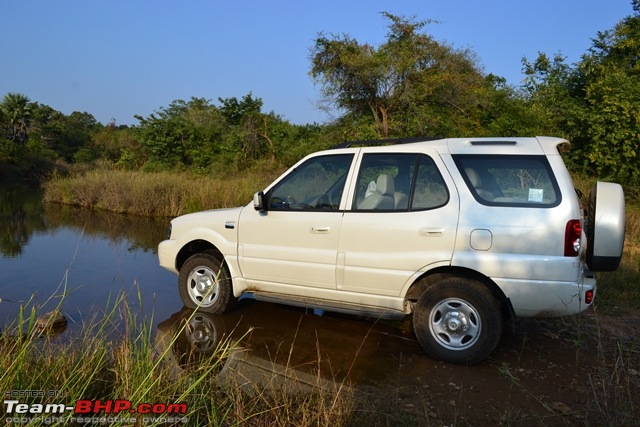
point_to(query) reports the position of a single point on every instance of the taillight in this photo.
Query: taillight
(572, 236)
(588, 297)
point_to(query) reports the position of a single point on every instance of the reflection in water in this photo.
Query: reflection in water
(21, 215)
(79, 259)
(287, 347)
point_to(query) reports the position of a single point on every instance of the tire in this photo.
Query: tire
(458, 321)
(204, 284)
(605, 226)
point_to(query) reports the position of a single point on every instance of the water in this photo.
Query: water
(90, 257)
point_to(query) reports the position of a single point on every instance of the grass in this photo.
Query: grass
(106, 362)
(160, 194)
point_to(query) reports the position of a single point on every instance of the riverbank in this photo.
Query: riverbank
(140, 367)
(159, 194)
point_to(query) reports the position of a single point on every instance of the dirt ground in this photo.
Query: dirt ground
(573, 371)
(577, 371)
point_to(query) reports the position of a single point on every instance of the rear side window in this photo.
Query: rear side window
(519, 181)
(399, 182)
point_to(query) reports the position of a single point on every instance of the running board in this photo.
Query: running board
(334, 306)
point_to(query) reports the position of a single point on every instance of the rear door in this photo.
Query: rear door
(383, 249)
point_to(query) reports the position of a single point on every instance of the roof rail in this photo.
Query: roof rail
(386, 141)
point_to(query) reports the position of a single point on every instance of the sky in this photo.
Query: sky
(119, 58)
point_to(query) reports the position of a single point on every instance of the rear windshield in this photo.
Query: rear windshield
(519, 181)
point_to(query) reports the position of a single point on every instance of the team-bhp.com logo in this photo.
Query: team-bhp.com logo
(94, 412)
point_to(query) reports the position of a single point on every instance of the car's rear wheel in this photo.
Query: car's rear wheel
(605, 226)
(458, 320)
(204, 283)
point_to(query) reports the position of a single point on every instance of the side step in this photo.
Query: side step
(338, 307)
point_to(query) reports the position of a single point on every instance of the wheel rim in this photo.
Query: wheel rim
(455, 324)
(202, 285)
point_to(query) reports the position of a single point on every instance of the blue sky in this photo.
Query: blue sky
(118, 58)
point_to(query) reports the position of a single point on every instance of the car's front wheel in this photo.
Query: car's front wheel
(204, 283)
(458, 320)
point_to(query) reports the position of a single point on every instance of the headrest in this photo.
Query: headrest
(384, 185)
(474, 177)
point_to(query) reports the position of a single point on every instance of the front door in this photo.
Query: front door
(295, 241)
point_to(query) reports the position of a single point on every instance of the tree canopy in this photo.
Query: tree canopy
(409, 85)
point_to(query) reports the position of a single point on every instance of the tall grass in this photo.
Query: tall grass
(103, 362)
(164, 194)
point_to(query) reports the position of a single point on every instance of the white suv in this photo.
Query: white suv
(464, 234)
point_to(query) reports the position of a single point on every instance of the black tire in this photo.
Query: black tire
(458, 320)
(204, 283)
(605, 226)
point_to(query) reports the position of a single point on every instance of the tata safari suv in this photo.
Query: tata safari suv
(463, 234)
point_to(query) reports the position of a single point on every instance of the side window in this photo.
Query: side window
(430, 190)
(317, 184)
(399, 182)
(519, 181)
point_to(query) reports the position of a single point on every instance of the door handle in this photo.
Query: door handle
(321, 229)
(431, 232)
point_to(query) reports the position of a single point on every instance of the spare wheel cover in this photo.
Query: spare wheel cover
(605, 227)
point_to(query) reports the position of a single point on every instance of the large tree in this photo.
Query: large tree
(410, 84)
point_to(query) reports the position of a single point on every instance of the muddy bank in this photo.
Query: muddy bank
(581, 371)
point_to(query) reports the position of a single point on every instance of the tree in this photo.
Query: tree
(17, 109)
(596, 104)
(411, 84)
(182, 134)
(610, 76)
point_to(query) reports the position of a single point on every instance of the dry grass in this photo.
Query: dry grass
(161, 194)
(103, 363)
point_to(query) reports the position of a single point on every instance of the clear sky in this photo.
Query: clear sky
(118, 58)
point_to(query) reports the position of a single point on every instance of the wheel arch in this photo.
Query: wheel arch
(440, 273)
(195, 247)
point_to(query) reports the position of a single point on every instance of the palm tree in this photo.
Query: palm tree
(17, 108)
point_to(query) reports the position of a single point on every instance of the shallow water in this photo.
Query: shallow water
(90, 257)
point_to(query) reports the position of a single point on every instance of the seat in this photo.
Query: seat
(382, 198)
(476, 181)
(401, 201)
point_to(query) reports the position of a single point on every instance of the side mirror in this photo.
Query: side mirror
(259, 202)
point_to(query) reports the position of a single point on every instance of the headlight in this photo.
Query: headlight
(169, 231)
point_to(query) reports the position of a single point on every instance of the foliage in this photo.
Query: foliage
(595, 104)
(206, 138)
(409, 85)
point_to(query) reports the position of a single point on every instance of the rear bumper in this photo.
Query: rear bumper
(548, 298)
